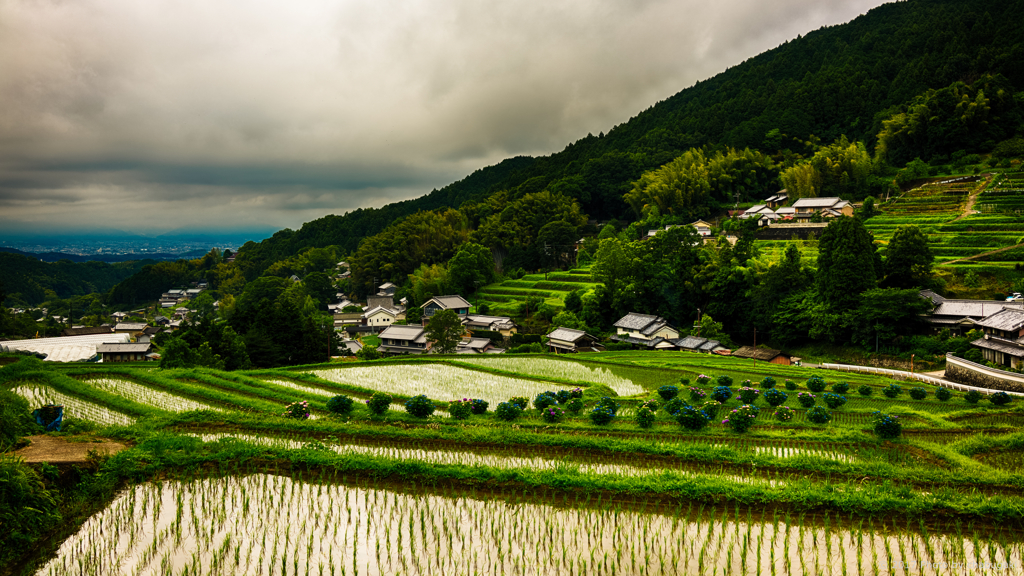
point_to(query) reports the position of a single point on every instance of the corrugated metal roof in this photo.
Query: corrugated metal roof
(765, 354)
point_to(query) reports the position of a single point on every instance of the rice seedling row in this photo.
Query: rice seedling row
(276, 525)
(39, 394)
(145, 395)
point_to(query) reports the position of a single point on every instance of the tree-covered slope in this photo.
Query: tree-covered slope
(30, 281)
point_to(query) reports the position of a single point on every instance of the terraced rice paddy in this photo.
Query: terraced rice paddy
(246, 491)
(504, 297)
(269, 524)
(437, 381)
(558, 369)
(145, 395)
(38, 395)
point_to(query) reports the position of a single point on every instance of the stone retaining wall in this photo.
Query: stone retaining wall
(972, 374)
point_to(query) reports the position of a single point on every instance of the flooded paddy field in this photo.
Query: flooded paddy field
(269, 524)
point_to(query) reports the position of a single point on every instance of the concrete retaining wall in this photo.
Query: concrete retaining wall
(973, 374)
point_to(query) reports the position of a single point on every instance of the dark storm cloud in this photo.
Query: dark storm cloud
(199, 112)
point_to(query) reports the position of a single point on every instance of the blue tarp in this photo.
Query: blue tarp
(51, 416)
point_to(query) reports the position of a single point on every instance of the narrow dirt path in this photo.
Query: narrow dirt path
(973, 197)
(996, 251)
(57, 450)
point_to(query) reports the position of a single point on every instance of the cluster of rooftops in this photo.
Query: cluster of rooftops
(774, 210)
(1002, 322)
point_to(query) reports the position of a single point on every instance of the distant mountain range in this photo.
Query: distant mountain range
(57, 256)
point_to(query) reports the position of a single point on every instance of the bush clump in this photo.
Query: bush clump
(576, 392)
(806, 399)
(298, 410)
(887, 426)
(340, 405)
(972, 397)
(668, 392)
(673, 405)
(711, 408)
(563, 396)
(790, 385)
(721, 394)
(748, 395)
(378, 403)
(892, 390)
(520, 401)
(460, 409)
(833, 401)
(742, 418)
(999, 398)
(816, 384)
(943, 394)
(724, 380)
(545, 399)
(479, 406)
(767, 382)
(692, 418)
(865, 390)
(775, 397)
(419, 406)
(818, 415)
(645, 417)
(508, 411)
(703, 379)
(697, 395)
(608, 403)
(601, 415)
(684, 382)
(552, 414)
(574, 406)
(840, 388)
(651, 405)
(783, 414)
(918, 393)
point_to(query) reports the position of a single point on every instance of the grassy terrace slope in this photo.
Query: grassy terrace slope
(505, 297)
(393, 484)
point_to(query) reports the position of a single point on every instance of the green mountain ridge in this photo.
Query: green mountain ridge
(838, 80)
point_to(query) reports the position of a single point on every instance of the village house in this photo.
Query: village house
(125, 352)
(563, 340)
(386, 289)
(131, 328)
(398, 340)
(703, 228)
(1003, 343)
(645, 330)
(379, 317)
(962, 315)
(761, 213)
(828, 207)
(698, 344)
(778, 200)
(455, 303)
(501, 324)
(477, 346)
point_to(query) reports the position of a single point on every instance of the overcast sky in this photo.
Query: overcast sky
(156, 114)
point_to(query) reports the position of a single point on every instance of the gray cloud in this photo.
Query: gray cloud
(208, 112)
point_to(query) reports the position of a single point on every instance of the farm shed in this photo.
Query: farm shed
(763, 354)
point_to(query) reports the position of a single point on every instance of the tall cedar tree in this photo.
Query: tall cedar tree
(846, 263)
(445, 330)
(908, 260)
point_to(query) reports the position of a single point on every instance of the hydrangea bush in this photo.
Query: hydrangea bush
(419, 406)
(378, 403)
(711, 408)
(460, 409)
(840, 387)
(552, 414)
(943, 394)
(775, 397)
(816, 384)
(298, 410)
(783, 414)
(892, 390)
(742, 418)
(724, 380)
(972, 396)
(545, 399)
(341, 405)
(645, 417)
(833, 401)
(887, 426)
(479, 406)
(768, 383)
(806, 399)
(508, 411)
(999, 398)
(818, 415)
(668, 392)
(918, 393)
(574, 406)
(697, 395)
(790, 385)
(692, 419)
(865, 390)
(703, 379)
(748, 395)
(721, 394)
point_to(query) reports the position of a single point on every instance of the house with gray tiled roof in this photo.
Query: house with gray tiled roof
(563, 340)
(830, 206)
(1003, 343)
(961, 315)
(398, 340)
(645, 330)
(455, 303)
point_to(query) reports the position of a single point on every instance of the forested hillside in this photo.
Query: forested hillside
(27, 280)
(841, 80)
